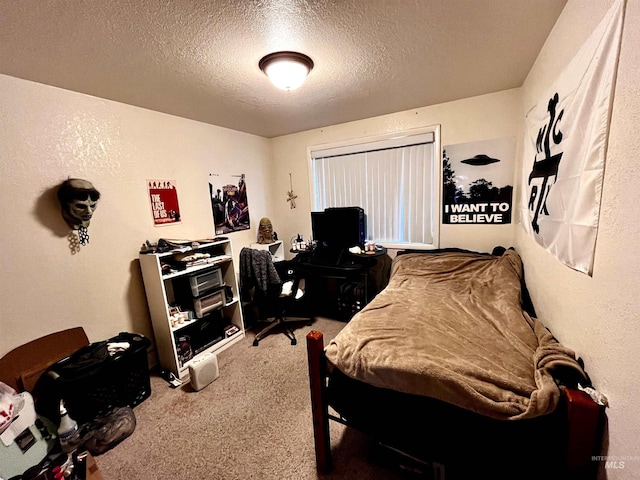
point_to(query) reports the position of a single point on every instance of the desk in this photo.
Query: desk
(340, 285)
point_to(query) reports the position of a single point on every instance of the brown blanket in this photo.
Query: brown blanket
(450, 326)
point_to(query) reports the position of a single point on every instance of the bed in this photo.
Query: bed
(449, 369)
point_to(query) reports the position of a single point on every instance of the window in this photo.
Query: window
(394, 178)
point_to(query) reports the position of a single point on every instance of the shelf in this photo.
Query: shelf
(218, 345)
(188, 249)
(195, 268)
(275, 248)
(173, 289)
(186, 323)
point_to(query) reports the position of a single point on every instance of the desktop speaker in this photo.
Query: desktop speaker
(204, 371)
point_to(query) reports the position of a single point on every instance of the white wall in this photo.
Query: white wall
(598, 316)
(473, 119)
(48, 134)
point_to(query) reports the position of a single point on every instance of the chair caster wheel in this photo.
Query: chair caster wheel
(294, 341)
(255, 343)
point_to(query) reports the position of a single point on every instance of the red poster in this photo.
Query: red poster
(163, 196)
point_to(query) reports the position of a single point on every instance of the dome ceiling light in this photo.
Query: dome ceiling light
(286, 70)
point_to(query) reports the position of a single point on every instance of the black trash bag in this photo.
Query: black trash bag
(104, 433)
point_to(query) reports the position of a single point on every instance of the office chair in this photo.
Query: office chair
(273, 291)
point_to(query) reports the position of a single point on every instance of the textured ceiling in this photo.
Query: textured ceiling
(199, 58)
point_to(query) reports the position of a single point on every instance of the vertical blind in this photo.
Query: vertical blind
(392, 180)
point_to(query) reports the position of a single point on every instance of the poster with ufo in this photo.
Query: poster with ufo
(478, 182)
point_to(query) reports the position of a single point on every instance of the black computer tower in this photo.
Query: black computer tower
(348, 226)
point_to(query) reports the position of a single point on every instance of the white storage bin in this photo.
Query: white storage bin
(205, 282)
(209, 303)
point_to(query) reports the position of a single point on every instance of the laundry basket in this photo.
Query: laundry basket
(93, 381)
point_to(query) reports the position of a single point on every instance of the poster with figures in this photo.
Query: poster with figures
(565, 146)
(478, 182)
(229, 202)
(163, 196)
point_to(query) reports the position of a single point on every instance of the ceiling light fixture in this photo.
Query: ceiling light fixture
(286, 70)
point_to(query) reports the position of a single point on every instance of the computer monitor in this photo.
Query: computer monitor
(339, 228)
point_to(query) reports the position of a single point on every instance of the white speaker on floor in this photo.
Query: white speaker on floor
(204, 371)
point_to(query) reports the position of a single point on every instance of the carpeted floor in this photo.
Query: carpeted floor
(253, 422)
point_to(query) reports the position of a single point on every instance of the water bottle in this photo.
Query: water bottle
(68, 432)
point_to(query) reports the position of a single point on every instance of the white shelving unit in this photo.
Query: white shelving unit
(167, 284)
(276, 248)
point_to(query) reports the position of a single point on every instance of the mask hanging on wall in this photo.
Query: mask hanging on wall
(78, 199)
(265, 231)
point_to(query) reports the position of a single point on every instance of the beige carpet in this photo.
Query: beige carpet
(253, 422)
